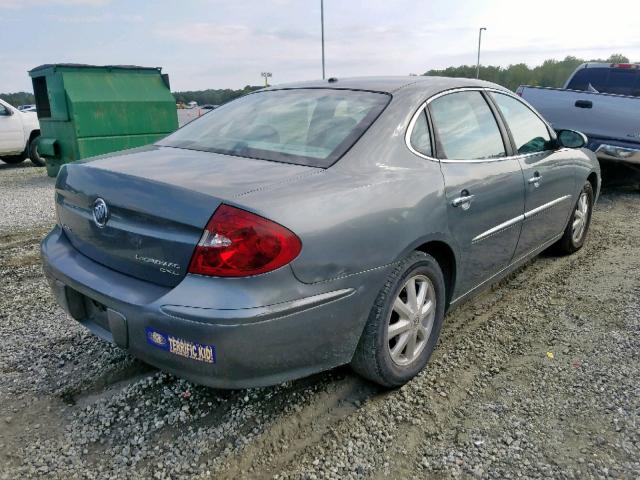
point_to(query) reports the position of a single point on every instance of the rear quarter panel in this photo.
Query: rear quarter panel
(370, 209)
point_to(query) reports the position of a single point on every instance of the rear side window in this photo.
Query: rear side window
(313, 127)
(420, 139)
(624, 82)
(618, 81)
(466, 127)
(589, 79)
(529, 133)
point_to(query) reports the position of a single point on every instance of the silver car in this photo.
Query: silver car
(313, 225)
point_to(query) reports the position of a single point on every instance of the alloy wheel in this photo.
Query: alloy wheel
(411, 320)
(580, 218)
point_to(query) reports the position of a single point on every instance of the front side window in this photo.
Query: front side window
(529, 133)
(313, 127)
(420, 139)
(466, 127)
(3, 110)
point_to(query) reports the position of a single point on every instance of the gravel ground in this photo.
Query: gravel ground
(26, 197)
(536, 378)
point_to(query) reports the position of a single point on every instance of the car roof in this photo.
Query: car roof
(390, 84)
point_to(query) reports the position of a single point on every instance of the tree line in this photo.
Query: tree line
(18, 98)
(552, 73)
(203, 97)
(212, 96)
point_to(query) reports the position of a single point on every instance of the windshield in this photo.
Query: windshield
(313, 127)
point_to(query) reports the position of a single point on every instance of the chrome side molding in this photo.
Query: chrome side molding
(546, 206)
(514, 221)
(498, 229)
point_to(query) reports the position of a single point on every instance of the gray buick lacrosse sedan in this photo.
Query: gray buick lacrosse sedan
(312, 225)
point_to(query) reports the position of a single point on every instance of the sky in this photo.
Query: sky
(227, 44)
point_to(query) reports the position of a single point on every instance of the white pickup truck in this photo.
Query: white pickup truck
(19, 133)
(601, 100)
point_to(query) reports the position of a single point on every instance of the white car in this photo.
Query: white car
(19, 134)
(27, 108)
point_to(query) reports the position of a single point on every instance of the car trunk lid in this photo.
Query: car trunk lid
(158, 200)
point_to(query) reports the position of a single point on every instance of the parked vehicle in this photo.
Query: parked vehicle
(308, 226)
(603, 101)
(27, 108)
(19, 134)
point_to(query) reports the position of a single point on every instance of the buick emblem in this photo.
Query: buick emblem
(100, 212)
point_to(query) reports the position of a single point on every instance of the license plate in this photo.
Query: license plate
(183, 348)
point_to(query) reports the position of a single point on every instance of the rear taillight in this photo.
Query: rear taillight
(236, 243)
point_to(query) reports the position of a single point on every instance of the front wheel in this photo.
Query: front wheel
(35, 157)
(576, 230)
(404, 323)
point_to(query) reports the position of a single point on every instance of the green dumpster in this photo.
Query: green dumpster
(87, 110)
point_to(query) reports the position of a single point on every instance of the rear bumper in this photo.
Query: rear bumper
(613, 150)
(255, 345)
(621, 154)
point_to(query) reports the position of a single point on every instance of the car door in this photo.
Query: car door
(11, 135)
(549, 177)
(484, 185)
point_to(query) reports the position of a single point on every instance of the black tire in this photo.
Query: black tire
(372, 358)
(568, 244)
(35, 157)
(13, 160)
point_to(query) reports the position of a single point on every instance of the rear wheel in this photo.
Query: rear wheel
(576, 230)
(404, 323)
(35, 157)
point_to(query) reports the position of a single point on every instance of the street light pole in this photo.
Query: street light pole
(322, 29)
(267, 76)
(479, 43)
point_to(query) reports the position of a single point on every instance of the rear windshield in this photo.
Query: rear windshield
(619, 81)
(313, 127)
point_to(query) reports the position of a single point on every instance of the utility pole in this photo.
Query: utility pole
(322, 29)
(479, 43)
(266, 76)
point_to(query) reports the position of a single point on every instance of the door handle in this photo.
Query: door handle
(535, 180)
(584, 104)
(463, 201)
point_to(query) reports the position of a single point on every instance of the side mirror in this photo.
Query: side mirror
(572, 139)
